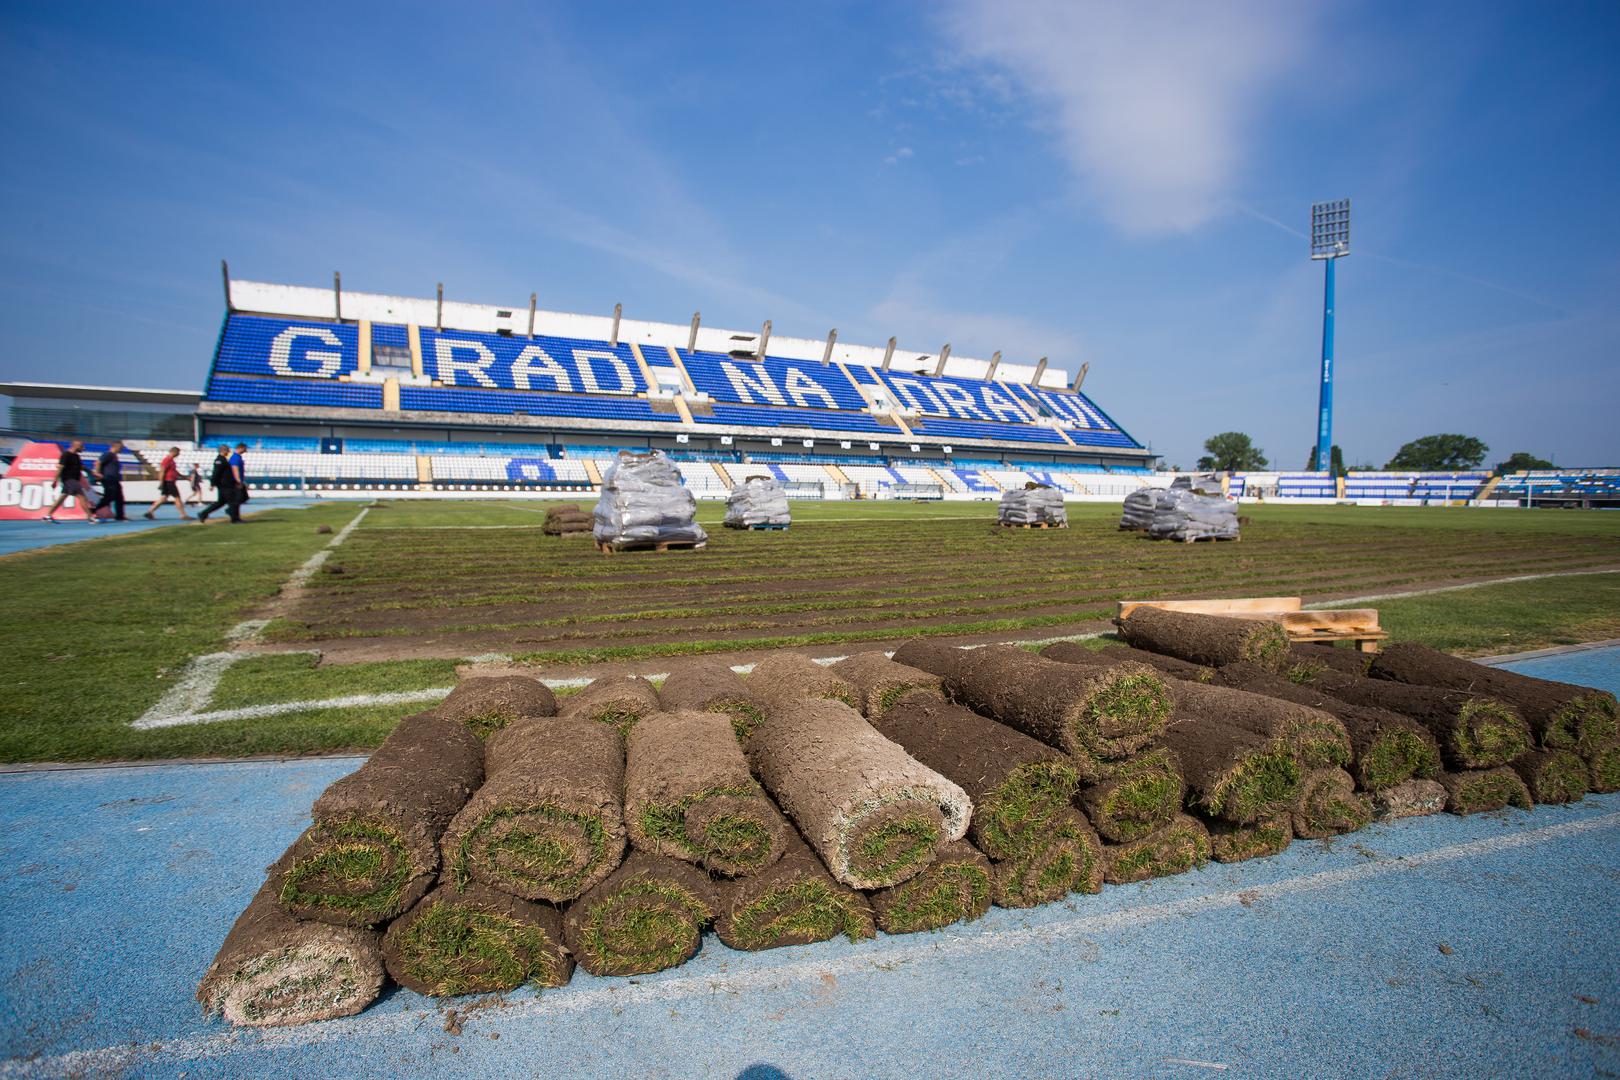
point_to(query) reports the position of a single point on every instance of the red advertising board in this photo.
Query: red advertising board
(27, 490)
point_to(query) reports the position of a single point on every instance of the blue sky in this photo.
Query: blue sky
(1123, 184)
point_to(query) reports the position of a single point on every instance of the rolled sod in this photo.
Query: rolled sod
(1553, 776)
(1230, 843)
(1211, 640)
(688, 793)
(874, 815)
(1178, 847)
(881, 682)
(711, 686)
(1386, 748)
(1474, 731)
(790, 675)
(646, 916)
(794, 901)
(1563, 716)
(930, 656)
(475, 940)
(1068, 859)
(619, 700)
(1314, 656)
(373, 849)
(549, 821)
(1138, 796)
(488, 703)
(1015, 782)
(1603, 769)
(1110, 711)
(1072, 652)
(1410, 798)
(274, 969)
(955, 887)
(1231, 772)
(1477, 790)
(1328, 805)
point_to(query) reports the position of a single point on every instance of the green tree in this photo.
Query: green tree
(1337, 458)
(1231, 451)
(1521, 461)
(1439, 453)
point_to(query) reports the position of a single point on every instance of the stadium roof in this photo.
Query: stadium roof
(98, 393)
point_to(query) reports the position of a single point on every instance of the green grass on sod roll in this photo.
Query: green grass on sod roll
(1180, 846)
(1237, 843)
(955, 887)
(1603, 767)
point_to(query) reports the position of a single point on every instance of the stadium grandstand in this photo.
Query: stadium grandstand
(339, 392)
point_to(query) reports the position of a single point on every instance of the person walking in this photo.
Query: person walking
(194, 478)
(169, 485)
(239, 472)
(70, 478)
(110, 471)
(224, 481)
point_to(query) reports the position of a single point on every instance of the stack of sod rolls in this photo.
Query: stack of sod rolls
(1562, 716)
(566, 519)
(488, 703)
(711, 686)
(616, 701)
(1475, 732)
(1073, 652)
(1386, 748)
(304, 949)
(875, 816)
(879, 682)
(1106, 716)
(1021, 790)
(787, 677)
(1211, 640)
(549, 821)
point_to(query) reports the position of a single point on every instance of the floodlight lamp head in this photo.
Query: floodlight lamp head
(1330, 229)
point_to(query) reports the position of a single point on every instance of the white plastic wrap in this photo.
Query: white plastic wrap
(1139, 507)
(1186, 515)
(758, 500)
(643, 502)
(1032, 506)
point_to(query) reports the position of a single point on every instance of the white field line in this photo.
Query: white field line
(961, 942)
(258, 712)
(1371, 597)
(192, 708)
(307, 571)
(194, 689)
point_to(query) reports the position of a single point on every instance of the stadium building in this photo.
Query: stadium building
(340, 390)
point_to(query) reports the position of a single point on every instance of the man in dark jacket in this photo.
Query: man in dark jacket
(70, 478)
(110, 471)
(225, 488)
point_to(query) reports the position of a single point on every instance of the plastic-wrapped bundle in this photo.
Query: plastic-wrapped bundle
(758, 500)
(1139, 508)
(1032, 506)
(643, 502)
(1185, 515)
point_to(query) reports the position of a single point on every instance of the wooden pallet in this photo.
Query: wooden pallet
(1358, 625)
(1195, 539)
(759, 528)
(651, 545)
(1032, 525)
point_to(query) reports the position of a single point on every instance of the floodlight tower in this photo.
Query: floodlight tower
(1330, 240)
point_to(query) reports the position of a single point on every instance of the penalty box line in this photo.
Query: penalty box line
(194, 690)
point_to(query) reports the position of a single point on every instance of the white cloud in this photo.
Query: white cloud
(899, 156)
(1151, 101)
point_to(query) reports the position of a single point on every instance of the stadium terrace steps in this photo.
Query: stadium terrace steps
(264, 360)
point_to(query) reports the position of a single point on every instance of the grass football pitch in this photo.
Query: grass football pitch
(101, 631)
